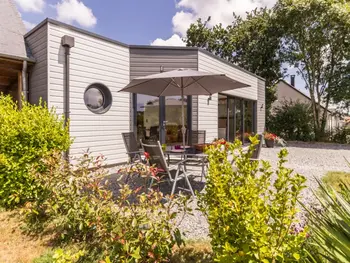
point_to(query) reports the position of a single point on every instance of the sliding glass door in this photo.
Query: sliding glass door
(236, 118)
(160, 119)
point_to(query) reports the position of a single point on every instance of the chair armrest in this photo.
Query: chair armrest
(140, 152)
(176, 165)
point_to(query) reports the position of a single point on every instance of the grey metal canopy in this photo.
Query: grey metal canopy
(182, 82)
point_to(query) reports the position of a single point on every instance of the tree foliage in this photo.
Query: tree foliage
(317, 41)
(312, 35)
(251, 43)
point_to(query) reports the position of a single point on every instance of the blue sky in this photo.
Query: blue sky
(158, 22)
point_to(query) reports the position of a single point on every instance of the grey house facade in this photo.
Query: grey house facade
(99, 67)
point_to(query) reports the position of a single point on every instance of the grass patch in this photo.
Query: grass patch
(334, 179)
(15, 246)
(195, 251)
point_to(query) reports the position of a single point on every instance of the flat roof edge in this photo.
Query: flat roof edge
(163, 47)
(73, 28)
(229, 63)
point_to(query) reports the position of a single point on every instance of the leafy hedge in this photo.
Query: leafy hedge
(26, 136)
(250, 218)
(292, 121)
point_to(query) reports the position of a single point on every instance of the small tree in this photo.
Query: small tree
(251, 219)
(26, 136)
(292, 121)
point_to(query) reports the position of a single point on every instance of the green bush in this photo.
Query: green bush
(341, 135)
(292, 121)
(79, 208)
(251, 219)
(26, 136)
(330, 226)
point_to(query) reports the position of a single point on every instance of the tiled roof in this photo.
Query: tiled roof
(12, 30)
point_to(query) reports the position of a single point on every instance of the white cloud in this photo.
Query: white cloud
(174, 40)
(220, 11)
(182, 21)
(28, 25)
(35, 6)
(70, 11)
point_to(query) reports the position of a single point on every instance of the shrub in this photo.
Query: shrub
(26, 136)
(330, 226)
(341, 135)
(250, 219)
(79, 208)
(292, 121)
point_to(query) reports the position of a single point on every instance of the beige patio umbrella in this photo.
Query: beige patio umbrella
(183, 82)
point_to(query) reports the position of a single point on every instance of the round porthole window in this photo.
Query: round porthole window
(98, 98)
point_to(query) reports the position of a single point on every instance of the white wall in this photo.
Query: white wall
(92, 60)
(208, 110)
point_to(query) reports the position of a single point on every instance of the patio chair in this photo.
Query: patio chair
(174, 173)
(132, 148)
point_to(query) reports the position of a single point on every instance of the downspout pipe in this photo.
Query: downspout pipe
(25, 80)
(67, 43)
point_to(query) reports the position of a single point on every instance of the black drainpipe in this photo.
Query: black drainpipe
(67, 42)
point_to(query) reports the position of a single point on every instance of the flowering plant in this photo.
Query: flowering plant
(270, 136)
(273, 137)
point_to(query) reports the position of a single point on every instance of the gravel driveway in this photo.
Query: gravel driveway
(311, 160)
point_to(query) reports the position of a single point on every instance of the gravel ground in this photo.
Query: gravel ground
(311, 160)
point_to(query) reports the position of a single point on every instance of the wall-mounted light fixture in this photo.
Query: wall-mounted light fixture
(161, 69)
(209, 99)
(262, 106)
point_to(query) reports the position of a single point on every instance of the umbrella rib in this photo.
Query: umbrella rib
(204, 88)
(194, 81)
(167, 86)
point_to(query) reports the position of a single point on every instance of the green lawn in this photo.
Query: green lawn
(334, 179)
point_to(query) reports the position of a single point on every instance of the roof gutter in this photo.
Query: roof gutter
(6, 56)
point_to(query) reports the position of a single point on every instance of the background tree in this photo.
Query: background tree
(252, 43)
(316, 40)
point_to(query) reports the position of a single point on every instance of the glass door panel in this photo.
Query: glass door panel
(222, 121)
(173, 119)
(238, 117)
(147, 119)
(231, 119)
(248, 120)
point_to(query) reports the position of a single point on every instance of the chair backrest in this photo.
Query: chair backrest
(257, 149)
(156, 156)
(130, 143)
(198, 137)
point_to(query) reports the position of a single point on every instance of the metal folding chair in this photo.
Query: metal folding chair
(132, 148)
(174, 173)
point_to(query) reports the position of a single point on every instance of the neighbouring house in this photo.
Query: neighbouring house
(80, 73)
(288, 92)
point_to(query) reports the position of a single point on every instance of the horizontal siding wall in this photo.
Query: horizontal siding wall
(208, 109)
(92, 60)
(37, 42)
(146, 61)
(261, 107)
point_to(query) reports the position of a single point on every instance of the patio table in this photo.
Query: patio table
(191, 154)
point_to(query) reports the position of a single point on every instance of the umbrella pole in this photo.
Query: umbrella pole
(183, 115)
